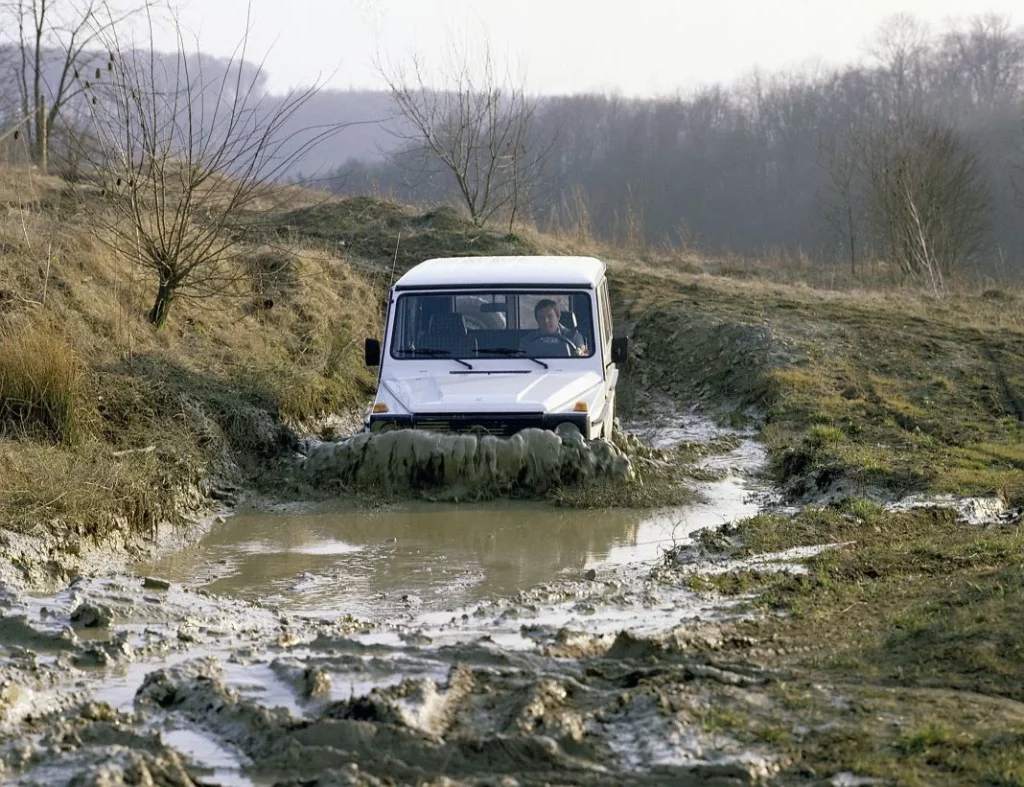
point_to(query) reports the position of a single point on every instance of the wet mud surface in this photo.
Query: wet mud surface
(417, 644)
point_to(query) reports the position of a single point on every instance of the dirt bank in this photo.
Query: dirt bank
(893, 654)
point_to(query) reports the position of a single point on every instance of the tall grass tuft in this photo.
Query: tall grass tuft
(41, 382)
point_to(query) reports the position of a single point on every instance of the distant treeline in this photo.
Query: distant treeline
(810, 162)
(915, 155)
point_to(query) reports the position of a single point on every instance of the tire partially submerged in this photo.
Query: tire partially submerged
(467, 466)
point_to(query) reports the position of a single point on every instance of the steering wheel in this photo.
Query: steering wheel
(570, 346)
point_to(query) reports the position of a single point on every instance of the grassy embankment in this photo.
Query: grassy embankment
(901, 651)
(107, 425)
(865, 395)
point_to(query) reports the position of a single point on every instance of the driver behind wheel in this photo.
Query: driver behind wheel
(551, 337)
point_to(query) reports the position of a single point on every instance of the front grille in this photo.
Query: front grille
(433, 425)
(498, 425)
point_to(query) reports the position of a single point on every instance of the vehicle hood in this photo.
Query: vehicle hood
(493, 393)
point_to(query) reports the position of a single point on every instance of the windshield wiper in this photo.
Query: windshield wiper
(509, 352)
(431, 352)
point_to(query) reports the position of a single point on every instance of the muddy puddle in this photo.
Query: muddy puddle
(332, 560)
(498, 643)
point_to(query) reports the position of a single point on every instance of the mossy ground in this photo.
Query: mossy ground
(899, 653)
(887, 392)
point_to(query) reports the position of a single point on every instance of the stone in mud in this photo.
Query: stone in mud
(125, 767)
(543, 712)
(16, 630)
(180, 685)
(629, 646)
(11, 695)
(116, 651)
(416, 704)
(89, 615)
(316, 683)
(154, 583)
(189, 632)
(97, 711)
(460, 466)
(310, 682)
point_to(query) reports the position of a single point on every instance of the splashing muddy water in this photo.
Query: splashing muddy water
(329, 644)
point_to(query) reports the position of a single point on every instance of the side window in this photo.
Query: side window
(606, 315)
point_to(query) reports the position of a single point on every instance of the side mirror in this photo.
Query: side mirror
(372, 352)
(620, 349)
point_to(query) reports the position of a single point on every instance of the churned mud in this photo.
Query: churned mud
(505, 642)
(482, 643)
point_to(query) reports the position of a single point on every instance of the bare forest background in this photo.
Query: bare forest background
(914, 156)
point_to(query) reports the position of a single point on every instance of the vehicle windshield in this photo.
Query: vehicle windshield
(494, 324)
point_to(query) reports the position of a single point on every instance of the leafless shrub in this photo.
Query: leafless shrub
(189, 159)
(479, 127)
(272, 272)
(927, 198)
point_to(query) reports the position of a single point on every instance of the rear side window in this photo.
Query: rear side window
(606, 315)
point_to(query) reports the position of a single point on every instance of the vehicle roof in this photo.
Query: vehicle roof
(543, 271)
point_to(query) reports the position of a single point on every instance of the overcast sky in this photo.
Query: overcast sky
(634, 47)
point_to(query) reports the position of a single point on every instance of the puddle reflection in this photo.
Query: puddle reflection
(368, 563)
(343, 560)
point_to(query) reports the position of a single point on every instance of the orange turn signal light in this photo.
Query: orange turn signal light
(581, 407)
(380, 407)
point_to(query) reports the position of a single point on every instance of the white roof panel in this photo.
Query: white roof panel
(512, 271)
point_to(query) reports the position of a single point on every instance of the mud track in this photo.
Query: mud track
(615, 677)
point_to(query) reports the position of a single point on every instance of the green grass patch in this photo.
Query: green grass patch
(881, 393)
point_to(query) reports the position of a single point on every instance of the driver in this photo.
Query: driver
(549, 329)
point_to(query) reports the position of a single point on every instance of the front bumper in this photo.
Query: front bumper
(497, 424)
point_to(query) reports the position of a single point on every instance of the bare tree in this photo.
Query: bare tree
(900, 48)
(983, 63)
(479, 125)
(54, 46)
(928, 198)
(187, 162)
(841, 155)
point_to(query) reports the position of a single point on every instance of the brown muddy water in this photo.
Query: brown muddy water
(501, 643)
(331, 560)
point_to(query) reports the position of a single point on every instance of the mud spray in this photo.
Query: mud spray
(467, 466)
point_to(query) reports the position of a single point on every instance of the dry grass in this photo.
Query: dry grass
(41, 383)
(85, 487)
(283, 343)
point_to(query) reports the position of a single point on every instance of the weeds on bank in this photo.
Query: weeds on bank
(46, 489)
(882, 393)
(41, 383)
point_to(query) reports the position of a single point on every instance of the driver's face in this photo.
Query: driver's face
(547, 321)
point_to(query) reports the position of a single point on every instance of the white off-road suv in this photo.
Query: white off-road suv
(493, 345)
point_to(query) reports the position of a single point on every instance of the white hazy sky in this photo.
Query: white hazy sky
(634, 47)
